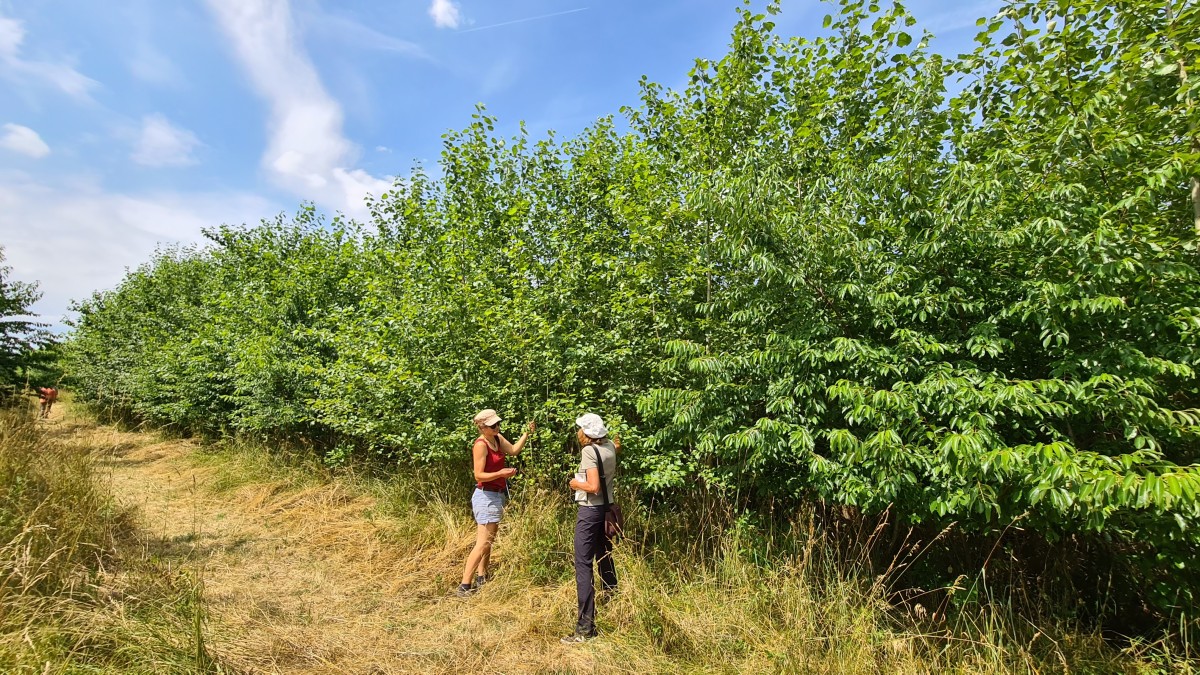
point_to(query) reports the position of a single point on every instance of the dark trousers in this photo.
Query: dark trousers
(591, 544)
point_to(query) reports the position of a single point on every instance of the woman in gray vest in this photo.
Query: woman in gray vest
(593, 487)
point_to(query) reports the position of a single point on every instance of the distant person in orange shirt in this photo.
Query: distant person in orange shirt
(48, 396)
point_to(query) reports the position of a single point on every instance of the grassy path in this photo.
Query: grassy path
(301, 571)
(306, 577)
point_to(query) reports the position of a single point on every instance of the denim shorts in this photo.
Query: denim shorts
(488, 506)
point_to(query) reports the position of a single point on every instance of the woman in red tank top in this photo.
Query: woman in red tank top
(491, 490)
(493, 463)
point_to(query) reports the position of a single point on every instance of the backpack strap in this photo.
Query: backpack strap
(600, 468)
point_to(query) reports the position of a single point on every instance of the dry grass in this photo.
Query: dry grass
(75, 596)
(241, 562)
(353, 575)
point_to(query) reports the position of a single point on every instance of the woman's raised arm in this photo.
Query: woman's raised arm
(515, 448)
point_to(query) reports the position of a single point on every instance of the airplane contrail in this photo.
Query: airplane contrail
(525, 20)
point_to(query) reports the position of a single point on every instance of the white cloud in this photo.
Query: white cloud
(12, 33)
(445, 14)
(42, 73)
(23, 140)
(148, 64)
(75, 238)
(307, 152)
(355, 35)
(163, 144)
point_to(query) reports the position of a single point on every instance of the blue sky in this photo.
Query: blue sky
(126, 125)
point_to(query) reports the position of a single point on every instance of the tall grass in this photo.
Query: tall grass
(701, 590)
(63, 540)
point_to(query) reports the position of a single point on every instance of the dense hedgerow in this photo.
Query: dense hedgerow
(848, 269)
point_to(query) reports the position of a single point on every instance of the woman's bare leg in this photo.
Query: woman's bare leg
(486, 559)
(481, 553)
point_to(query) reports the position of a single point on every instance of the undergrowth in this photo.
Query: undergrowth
(80, 589)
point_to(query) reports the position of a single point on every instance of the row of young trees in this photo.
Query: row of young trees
(848, 269)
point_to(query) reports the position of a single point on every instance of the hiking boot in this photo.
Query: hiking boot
(464, 591)
(578, 638)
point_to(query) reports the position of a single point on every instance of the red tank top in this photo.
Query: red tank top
(494, 462)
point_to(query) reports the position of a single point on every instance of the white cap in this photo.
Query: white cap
(592, 425)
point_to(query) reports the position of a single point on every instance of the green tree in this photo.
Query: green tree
(24, 341)
(978, 308)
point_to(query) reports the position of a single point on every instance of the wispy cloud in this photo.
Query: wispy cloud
(354, 34)
(12, 34)
(307, 152)
(350, 83)
(16, 68)
(525, 20)
(957, 16)
(162, 144)
(150, 65)
(86, 236)
(445, 14)
(23, 140)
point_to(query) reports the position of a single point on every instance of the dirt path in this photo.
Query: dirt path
(311, 579)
